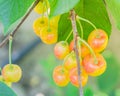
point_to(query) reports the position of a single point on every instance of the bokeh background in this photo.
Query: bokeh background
(38, 61)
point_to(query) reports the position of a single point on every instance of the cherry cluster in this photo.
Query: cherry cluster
(92, 63)
(44, 27)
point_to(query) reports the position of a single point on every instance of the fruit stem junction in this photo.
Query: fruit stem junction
(81, 28)
(69, 35)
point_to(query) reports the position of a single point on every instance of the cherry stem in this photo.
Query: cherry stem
(84, 42)
(69, 35)
(43, 8)
(10, 49)
(83, 19)
(81, 28)
(47, 15)
(49, 25)
(75, 33)
(79, 47)
(91, 50)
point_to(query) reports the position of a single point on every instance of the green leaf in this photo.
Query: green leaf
(110, 78)
(114, 7)
(94, 11)
(64, 27)
(58, 7)
(11, 11)
(88, 92)
(6, 91)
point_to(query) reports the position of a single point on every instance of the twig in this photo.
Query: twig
(75, 33)
(15, 30)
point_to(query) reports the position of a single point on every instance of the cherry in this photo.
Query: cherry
(74, 77)
(91, 67)
(49, 35)
(61, 49)
(11, 73)
(39, 23)
(60, 76)
(98, 40)
(70, 61)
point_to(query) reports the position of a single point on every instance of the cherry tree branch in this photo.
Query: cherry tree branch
(4, 42)
(75, 33)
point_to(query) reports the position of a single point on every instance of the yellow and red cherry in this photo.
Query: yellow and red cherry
(98, 40)
(49, 35)
(11, 73)
(61, 49)
(74, 77)
(60, 76)
(92, 67)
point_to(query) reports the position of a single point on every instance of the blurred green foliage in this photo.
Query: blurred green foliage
(114, 10)
(109, 80)
(88, 92)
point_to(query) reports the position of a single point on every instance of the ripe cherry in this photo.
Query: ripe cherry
(39, 24)
(74, 77)
(70, 61)
(61, 49)
(91, 67)
(49, 35)
(98, 40)
(61, 76)
(11, 73)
